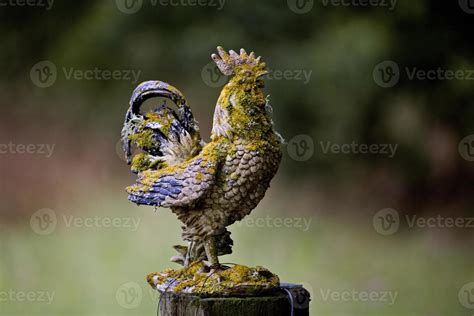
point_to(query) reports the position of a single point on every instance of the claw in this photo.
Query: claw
(181, 249)
(178, 259)
(217, 268)
(204, 269)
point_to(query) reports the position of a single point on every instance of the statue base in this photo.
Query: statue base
(287, 299)
(197, 279)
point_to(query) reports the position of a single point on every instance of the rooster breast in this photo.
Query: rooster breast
(241, 183)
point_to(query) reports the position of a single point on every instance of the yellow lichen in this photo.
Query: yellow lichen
(144, 139)
(165, 119)
(142, 162)
(244, 101)
(149, 177)
(196, 279)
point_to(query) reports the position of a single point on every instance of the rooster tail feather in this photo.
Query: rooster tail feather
(163, 135)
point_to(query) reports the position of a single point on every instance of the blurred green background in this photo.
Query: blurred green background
(339, 223)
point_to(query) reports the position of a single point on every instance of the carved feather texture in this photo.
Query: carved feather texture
(208, 186)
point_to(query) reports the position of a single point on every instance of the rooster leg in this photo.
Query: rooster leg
(211, 252)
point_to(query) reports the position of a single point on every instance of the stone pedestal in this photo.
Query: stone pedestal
(289, 299)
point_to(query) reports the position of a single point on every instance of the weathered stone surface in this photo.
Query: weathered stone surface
(277, 303)
(197, 279)
(210, 185)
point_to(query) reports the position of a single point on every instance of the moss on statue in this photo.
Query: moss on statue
(144, 137)
(195, 279)
(144, 161)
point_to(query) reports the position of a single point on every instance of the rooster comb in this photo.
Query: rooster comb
(229, 63)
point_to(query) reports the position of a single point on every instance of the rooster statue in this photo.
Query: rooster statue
(211, 185)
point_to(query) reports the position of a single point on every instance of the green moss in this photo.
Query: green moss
(151, 176)
(238, 279)
(210, 154)
(165, 119)
(144, 139)
(247, 114)
(142, 162)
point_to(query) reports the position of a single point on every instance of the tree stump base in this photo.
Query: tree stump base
(288, 299)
